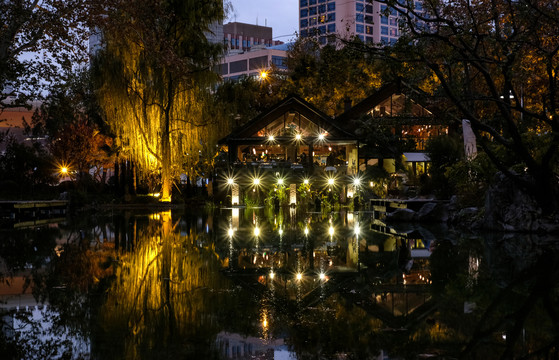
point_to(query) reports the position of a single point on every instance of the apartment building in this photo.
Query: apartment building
(371, 21)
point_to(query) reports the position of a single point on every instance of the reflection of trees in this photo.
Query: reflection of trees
(164, 300)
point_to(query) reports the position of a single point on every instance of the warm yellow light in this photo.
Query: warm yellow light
(321, 137)
(356, 181)
(271, 138)
(356, 229)
(281, 231)
(231, 232)
(230, 181)
(306, 181)
(306, 231)
(256, 181)
(322, 276)
(298, 137)
(263, 75)
(331, 181)
(64, 170)
(299, 276)
(331, 230)
(280, 181)
(256, 231)
(272, 275)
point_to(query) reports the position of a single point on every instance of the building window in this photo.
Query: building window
(393, 22)
(322, 40)
(384, 20)
(370, 40)
(362, 38)
(312, 10)
(418, 6)
(383, 8)
(384, 40)
(359, 28)
(369, 9)
(331, 17)
(331, 6)
(393, 32)
(248, 43)
(331, 28)
(321, 9)
(369, 19)
(304, 13)
(369, 30)
(244, 43)
(304, 33)
(322, 19)
(393, 41)
(359, 17)
(304, 23)
(322, 30)
(312, 2)
(312, 21)
(384, 30)
(359, 7)
(321, 1)
(279, 61)
(304, 2)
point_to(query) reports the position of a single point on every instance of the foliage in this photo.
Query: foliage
(470, 179)
(25, 169)
(497, 63)
(40, 42)
(380, 179)
(328, 77)
(444, 151)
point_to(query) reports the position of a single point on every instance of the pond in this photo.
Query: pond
(250, 283)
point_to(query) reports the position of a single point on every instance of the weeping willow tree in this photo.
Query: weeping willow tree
(154, 74)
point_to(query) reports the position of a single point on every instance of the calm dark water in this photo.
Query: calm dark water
(259, 284)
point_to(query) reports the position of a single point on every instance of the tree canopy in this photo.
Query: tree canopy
(154, 76)
(497, 63)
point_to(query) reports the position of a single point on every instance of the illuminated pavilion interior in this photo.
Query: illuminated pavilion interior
(295, 134)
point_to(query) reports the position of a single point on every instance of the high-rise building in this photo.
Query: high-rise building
(371, 21)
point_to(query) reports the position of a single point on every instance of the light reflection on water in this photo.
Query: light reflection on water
(237, 283)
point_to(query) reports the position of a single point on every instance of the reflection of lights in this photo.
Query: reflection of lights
(299, 276)
(256, 231)
(272, 275)
(331, 230)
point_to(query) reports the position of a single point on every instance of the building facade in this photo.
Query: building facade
(254, 62)
(244, 37)
(371, 21)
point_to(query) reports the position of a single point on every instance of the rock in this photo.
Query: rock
(510, 209)
(401, 215)
(433, 212)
